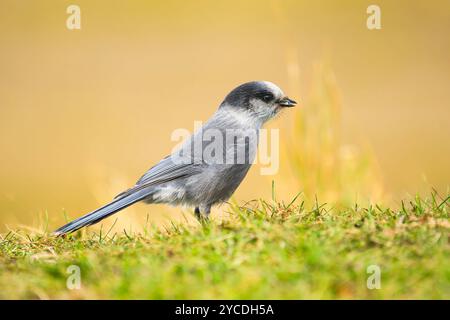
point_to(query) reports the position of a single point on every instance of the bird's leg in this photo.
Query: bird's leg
(202, 213)
(197, 212)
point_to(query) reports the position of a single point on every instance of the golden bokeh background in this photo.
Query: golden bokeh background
(83, 113)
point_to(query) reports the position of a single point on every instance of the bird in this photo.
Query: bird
(207, 168)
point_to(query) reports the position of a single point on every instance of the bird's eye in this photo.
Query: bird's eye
(267, 97)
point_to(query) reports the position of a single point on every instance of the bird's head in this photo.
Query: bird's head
(260, 99)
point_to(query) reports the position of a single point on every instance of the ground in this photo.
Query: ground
(263, 250)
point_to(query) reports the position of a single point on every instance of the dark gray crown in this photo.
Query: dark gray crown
(241, 95)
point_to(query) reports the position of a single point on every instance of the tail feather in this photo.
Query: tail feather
(101, 213)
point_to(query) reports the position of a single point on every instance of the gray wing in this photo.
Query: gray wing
(164, 171)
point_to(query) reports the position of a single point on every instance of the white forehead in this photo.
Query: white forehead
(273, 88)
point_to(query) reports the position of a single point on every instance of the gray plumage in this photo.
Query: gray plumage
(187, 176)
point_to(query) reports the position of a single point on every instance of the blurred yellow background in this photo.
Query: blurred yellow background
(83, 113)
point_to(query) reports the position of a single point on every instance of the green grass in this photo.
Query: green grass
(262, 251)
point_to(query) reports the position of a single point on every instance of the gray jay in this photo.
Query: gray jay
(210, 164)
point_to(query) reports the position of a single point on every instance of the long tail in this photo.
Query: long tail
(103, 212)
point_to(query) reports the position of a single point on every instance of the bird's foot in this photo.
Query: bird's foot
(202, 217)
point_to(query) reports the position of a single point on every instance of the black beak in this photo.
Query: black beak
(286, 102)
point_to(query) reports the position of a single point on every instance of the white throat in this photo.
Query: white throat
(245, 118)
